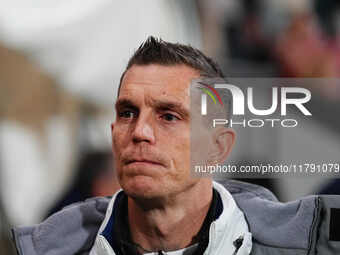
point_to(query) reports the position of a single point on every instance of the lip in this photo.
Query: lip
(143, 161)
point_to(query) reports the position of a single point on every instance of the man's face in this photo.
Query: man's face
(151, 135)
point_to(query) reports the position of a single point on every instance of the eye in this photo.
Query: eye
(169, 117)
(127, 114)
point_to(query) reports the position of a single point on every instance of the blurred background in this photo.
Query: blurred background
(60, 64)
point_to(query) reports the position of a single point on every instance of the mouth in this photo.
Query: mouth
(143, 161)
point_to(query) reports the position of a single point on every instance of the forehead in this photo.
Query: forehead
(158, 81)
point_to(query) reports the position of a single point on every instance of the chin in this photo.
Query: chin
(142, 187)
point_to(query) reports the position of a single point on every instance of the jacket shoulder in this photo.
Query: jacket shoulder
(297, 227)
(69, 231)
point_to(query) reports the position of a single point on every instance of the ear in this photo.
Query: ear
(222, 144)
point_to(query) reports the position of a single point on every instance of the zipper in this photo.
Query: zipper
(238, 243)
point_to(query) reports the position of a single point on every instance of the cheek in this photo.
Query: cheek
(183, 152)
(117, 147)
(118, 140)
(180, 153)
(118, 167)
(201, 145)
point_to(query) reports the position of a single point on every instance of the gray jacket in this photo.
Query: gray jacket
(308, 226)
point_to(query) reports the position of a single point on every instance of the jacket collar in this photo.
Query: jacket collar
(227, 226)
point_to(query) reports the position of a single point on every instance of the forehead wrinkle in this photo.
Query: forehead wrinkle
(163, 102)
(131, 87)
(151, 101)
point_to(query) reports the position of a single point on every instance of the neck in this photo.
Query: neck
(173, 223)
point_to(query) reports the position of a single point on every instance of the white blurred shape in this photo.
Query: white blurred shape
(32, 175)
(21, 170)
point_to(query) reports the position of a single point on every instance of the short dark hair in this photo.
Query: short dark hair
(157, 51)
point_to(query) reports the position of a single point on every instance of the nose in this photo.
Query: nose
(144, 129)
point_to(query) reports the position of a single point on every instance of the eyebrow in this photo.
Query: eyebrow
(124, 103)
